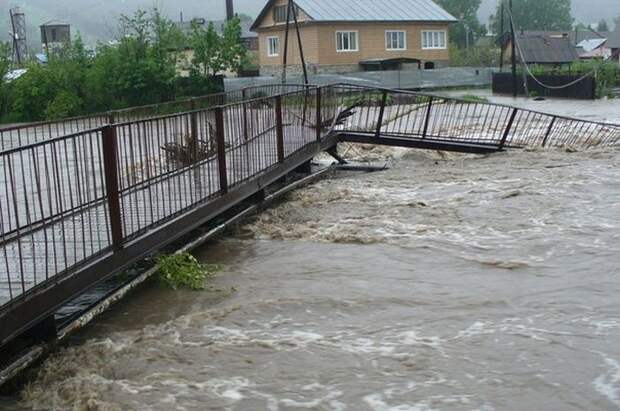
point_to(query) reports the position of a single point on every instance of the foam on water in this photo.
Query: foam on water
(608, 384)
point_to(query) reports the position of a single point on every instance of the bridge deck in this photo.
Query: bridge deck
(38, 257)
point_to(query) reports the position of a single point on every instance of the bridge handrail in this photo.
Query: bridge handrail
(71, 125)
(461, 100)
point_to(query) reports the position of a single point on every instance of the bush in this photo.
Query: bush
(65, 104)
(368, 100)
(470, 98)
(476, 56)
(183, 270)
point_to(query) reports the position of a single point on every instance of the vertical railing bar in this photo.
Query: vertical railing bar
(221, 149)
(549, 129)
(381, 113)
(428, 117)
(279, 130)
(110, 165)
(318, 114)
(508, 128)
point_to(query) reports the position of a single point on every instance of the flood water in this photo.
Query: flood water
(448, 282)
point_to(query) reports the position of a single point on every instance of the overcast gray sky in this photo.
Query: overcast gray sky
(97, 18)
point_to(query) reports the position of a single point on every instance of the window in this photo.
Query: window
(273, 46)
(434, 39)
(279, 13)
(395, 40)
(346, 41)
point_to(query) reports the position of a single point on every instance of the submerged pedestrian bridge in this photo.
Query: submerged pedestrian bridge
(83, 199)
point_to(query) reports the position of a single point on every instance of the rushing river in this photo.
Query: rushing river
(447, 282)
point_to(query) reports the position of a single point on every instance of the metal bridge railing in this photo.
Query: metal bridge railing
(24, 134)
(413, 115)
(70, 201)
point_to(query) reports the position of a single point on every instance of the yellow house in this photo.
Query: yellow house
(341, 36)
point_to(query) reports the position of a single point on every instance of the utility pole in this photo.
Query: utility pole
(502, 37)
(514, 51)
(292, 9)
(230, 10)
(285, 56)
(20, 47)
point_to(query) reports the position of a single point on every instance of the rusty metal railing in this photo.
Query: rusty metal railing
(24, 134)
(74, 200)
(413, 115)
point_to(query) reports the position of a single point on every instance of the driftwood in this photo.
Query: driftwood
(191, 150)
(340, 119)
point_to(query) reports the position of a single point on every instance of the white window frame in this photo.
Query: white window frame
(388, 40)
(269, 50)
(357, 41)
(435, 45)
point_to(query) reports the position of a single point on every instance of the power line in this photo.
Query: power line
(536, 79)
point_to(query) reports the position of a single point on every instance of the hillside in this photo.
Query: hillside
(585, 11)
(97, 19)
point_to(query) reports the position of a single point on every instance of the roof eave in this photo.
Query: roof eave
(256, 25)
(381, 21)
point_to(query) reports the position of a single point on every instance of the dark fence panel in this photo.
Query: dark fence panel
(584, 90)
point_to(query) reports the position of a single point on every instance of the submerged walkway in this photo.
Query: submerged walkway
(77, 208)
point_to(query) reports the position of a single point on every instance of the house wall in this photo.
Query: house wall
(319, 43)
(372, 42)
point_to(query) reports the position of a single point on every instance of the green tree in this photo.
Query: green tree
(207, 45)
(602, 26)
(144, 71)
(233, 49)
(33, 93)
(468, 28)
(536, 15)
(139, 68)
(213, 52)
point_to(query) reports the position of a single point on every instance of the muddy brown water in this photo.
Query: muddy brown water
(448, 282)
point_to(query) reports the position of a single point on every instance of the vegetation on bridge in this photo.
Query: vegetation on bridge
(184, 271)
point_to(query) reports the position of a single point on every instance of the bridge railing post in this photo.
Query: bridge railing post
(220, 142)
(318, 114)
(381, 113)
(502, 143)
(110, 167)
(428, 117)
(194, 131)
(549, 130)
(245, 114)
(279, 130)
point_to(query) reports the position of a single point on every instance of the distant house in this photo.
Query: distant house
(588, 44)
(613, 43)
(543, 48)
(593, 49)
(345, 35)
(55, 34)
